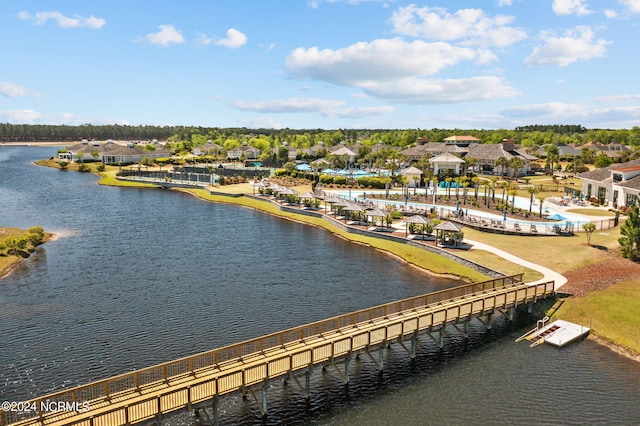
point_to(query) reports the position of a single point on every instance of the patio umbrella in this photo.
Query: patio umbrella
(303, 167)
(556, 216)
(417, 219)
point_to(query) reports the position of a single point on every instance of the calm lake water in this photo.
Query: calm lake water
(142, 276)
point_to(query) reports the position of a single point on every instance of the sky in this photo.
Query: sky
(329, 64)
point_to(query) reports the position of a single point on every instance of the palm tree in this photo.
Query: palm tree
(531, 190)
(516, 164)
(456, 181)
(513, 193)
(448, 181)
(503, 163)
(490, 185)
(588, 229)
(541, 199)
(465, 185)
(630, 235)
(476, 184)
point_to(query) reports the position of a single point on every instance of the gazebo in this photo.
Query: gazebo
(448, 234)
(377, 213)
(418, 220)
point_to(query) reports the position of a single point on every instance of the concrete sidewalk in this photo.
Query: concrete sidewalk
(549, 275)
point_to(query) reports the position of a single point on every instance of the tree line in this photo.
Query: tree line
(186, 137)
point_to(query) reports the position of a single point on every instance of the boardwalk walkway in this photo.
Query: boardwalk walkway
(190, 382)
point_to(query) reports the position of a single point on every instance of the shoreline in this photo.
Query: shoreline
(626, 352)
(338, 235)
(602, 341)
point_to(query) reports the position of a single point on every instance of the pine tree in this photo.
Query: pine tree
(630, 235)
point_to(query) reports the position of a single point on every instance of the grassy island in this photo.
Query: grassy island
(17, 244)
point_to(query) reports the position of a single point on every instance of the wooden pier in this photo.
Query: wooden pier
(197, 381)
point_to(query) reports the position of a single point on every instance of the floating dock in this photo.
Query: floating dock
(557, 333)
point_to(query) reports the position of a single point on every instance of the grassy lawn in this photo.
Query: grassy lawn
(499, 264)
(561, 254)
(612, 313)
(592, 212)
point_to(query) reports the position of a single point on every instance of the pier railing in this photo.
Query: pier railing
(114, 387)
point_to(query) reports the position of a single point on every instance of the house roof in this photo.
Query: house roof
(446, 158)
(633, 183)
(462, 138)
(604, 173)
(412, 171)
(627, 169)
(343, 151)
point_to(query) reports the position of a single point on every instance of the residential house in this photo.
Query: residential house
(616, 184)
(244, 151)
(108, 152)
(208, 148)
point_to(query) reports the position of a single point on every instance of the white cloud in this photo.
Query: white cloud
(384, 59)
(234, 39)
(609, 13)
(28, 116)
(470, 27)
(441, 91)
(632, 5)
(12, 90)
(503, 3)
(324, 107)
(289, 105)
(77, 21)
(570, 7)
(591, 112)
(359, 112)
(261, 123)
(166, 36)
(576, 45)
(315, 3)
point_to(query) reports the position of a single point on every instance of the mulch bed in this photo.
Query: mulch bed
(598, 276)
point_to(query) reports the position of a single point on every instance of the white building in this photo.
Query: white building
(617, 184)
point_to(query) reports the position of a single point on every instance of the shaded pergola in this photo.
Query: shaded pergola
(351, 208)
(307, 196)
(418, 220)
(377, 213)
(448, 233)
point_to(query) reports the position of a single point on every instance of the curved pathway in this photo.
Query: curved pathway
(549, 274)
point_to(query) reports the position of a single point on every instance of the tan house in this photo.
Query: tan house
(244, 151)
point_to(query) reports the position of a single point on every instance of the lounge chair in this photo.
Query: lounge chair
(534, 230)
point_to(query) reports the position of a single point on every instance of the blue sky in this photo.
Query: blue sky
(321, 63)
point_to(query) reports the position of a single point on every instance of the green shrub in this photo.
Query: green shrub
(326, 179)
(340, 180)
